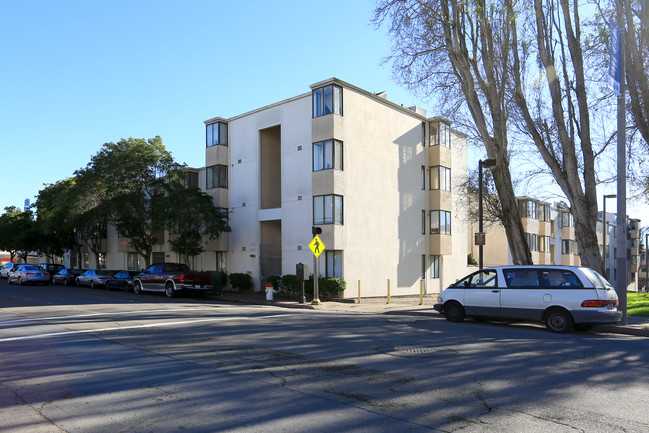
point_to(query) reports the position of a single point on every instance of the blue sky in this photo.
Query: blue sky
(78, 74)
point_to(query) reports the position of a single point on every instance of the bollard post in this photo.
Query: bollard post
(421, 292)
(388, 290)
(359, 291)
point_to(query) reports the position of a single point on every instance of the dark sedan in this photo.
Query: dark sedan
(67, 277)
(122, 280)
(94, 278)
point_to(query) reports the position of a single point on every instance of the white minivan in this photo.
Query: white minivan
(564, 297)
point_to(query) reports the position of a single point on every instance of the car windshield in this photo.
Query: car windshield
(32, 268)
(596, 278)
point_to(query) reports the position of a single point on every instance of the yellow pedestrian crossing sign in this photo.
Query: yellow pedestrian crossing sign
(317, 246)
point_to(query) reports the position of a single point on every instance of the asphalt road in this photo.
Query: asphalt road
(82, 360)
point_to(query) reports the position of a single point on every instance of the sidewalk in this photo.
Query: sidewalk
(408, 305)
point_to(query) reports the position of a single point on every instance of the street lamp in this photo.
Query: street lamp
(486, 163)
(604, 230)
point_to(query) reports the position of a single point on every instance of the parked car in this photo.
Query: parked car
(563, 297)
(52, 268)
(172, 278)
(123, 280)
(67, 277)
(93, 278)
(7, 268)
(29, 274)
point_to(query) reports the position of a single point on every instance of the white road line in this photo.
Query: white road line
(37, 319)
(150, 325)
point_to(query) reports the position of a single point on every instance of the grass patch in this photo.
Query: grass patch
(637, 304)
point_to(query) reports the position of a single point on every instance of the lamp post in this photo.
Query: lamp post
(604, 230)
(486, 163)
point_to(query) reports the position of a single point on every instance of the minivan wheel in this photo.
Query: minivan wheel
(558, 320)
(454, 312)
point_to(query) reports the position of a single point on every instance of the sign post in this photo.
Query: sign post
(317, 247)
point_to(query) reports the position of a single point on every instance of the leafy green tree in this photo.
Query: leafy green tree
(132, 176)
(19, 233)
(191, 218)
(56, 210)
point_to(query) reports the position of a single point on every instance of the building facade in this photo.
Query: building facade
(381, 180)
(550, 231)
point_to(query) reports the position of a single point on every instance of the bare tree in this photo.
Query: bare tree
(452, 48)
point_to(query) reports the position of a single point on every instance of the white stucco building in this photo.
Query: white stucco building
(380, 179)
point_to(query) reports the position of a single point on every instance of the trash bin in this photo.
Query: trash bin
(269, 291)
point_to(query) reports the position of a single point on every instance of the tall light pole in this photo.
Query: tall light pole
(486, 163)
(605, 230)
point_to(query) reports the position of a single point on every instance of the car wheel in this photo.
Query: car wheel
(107, 287)
(9, 280)
(20, 281)
(78, 283)
(137, 287)
(558, 320)
(169, 290)
(454, 312)
(65, 281)
(92, 284)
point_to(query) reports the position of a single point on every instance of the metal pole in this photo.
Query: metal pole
(605, 233)
(316, 272)
(388, 290)
(620, 233)
(421, 292)
(646, 262)
(359, 291)
(480, 228)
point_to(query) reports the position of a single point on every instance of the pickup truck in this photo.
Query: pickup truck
(171, 278)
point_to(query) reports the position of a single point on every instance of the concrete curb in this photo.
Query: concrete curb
(641, 329)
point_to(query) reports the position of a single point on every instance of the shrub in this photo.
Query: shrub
(290, 286)
(331, 287)
(219, 279)
(274, 280)
(241, 281)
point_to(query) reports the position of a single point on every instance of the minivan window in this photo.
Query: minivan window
(596, 278)
(559, 278)
(479, 279)
(521, 277)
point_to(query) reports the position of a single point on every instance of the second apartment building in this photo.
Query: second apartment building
(381, 180)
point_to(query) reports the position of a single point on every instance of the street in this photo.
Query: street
(87, 360)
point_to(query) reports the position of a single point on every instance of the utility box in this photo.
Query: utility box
(302, 272)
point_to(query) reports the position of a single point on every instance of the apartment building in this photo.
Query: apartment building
(550, 231)
(381, 180)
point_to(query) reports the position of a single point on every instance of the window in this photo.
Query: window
(423, 222)
(334, 267)
(216, 133)
(423, 177)
(102, 260)
(532, 241)
(567, 220)
(544, 244)
(328, 154)
(217, 176)
(191, 179)
(559, 278)
(444, 135)
(440, 178)
(440, 222)
(221, 260)
(158, 257)
(133, 262)
(434, 266)
(544, 212)
(328, 209)
(328, 100)
(568, 247)
(521, 277)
